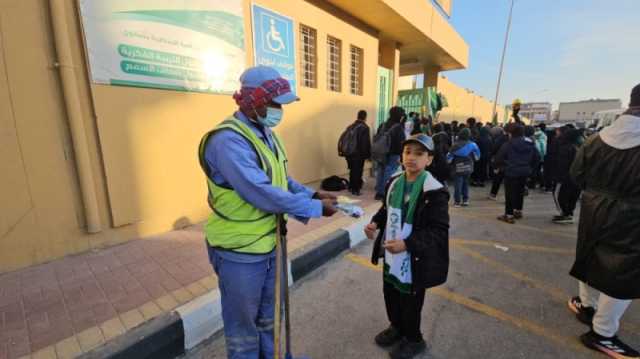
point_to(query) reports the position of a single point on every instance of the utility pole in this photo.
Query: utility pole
(504, 52)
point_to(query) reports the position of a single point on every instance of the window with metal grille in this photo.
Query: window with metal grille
(356, 70)
(308, 56)
(334, 57)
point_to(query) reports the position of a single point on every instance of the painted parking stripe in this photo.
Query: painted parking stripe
(542, 249)
(519, 226)
(557, 294)
(564, 341)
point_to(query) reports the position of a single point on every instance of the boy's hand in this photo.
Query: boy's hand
(370, 230)
(395, 246)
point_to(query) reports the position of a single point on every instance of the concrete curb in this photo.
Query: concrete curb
(172, 334)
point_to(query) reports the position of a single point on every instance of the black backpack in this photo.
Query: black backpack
(348, 142)
(382, 143)
(334, 183)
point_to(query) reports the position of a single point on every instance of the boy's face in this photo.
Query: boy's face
(415, 157)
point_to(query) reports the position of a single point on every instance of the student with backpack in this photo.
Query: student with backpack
(387, 148)
(355, 146)
(462, 157)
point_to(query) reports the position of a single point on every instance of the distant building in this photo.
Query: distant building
(583, 111)
(536, 112)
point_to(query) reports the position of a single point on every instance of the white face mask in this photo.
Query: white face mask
(273, 118)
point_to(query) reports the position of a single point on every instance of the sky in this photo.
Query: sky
(559, 50)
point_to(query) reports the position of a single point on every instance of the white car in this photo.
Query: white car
(602, 119)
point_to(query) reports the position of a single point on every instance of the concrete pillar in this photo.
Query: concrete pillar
(431, 77)
(389, 57)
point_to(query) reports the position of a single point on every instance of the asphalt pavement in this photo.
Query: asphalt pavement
(505, 297)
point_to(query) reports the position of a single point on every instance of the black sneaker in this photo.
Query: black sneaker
(563, 219)
(613, 347)
(388, 337)
(517, 214)
(407, 349)
(507, 218)
(583, 313)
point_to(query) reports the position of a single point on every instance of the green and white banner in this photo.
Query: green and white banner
(186, 45)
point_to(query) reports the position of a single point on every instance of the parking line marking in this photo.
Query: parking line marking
(523, 247)
(521, 226)
(567, 342)
(558, 294)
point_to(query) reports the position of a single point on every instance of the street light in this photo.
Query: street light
(504, 52)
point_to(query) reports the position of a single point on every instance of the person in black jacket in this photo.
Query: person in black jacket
(481, 167)
(568, 192)
(607, 168)
(363, 152)
(551, 159)
(413, 238)
(439, 167)
(392, 159)
(497, 173)
(518, 157)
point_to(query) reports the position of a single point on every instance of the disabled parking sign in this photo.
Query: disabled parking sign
(273, 42)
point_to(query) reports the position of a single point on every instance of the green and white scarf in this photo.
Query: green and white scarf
(397, 267)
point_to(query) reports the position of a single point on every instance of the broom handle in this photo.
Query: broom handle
(285, 266)
(277, 303)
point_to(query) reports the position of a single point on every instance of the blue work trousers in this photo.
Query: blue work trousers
(384, 171)
(247, 294)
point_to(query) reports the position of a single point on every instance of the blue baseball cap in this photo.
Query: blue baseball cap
(255, 76)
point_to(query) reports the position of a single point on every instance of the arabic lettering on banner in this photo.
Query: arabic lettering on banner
(195, 46)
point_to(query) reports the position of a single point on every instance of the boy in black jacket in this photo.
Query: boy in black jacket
(414, 241)
(518, 157)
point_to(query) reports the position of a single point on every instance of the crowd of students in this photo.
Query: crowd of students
(473, 154)
(411, 228)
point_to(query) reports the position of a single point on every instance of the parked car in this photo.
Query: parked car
(602, 119)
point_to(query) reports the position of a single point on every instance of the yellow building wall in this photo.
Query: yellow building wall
(143, 142)
(464, 103)
(433, 25)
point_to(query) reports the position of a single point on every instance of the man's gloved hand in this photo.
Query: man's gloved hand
(324, 195)
(328, 207)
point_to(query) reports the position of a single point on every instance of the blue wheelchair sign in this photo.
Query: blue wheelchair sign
(273, 39)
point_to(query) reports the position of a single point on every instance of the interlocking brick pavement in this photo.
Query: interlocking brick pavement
(74, 304)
